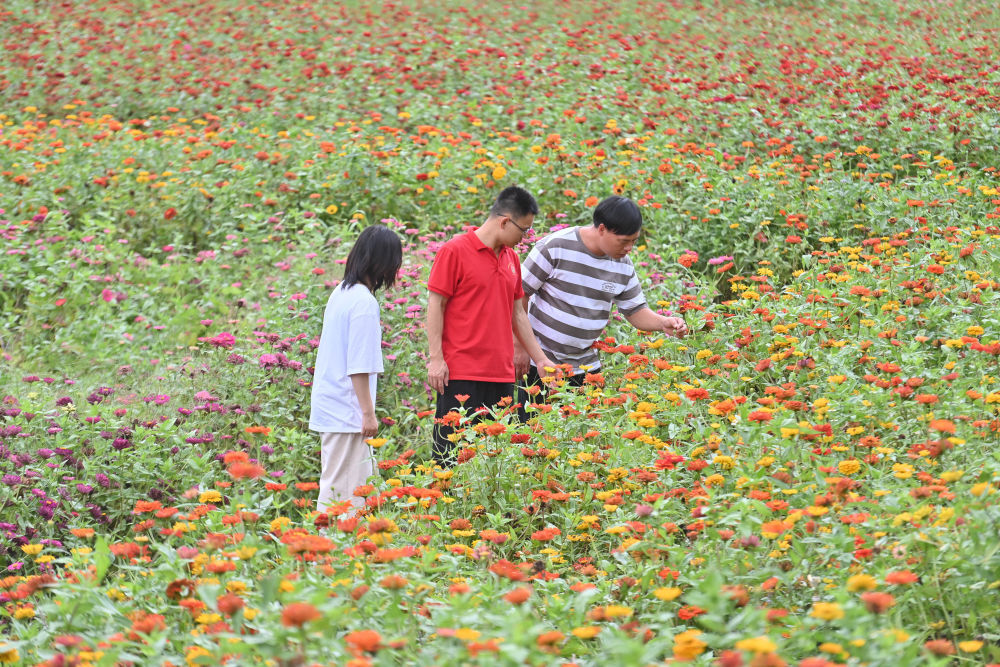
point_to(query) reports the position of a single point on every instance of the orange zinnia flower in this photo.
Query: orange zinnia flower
(696, 394)
(940, 647)
(229, 603)
(504, 568)
(518, 595)
(364, 640)
(246, 470)
(235, 457)
(942, 425)
(193, 606)
(142, 506)
(877, 602)
(725, 407)
(548, 639)
(775, 527)
(393, 582)
(546, 534)
(901, 577)
(298, 614)
(495, 429)
(146, 624)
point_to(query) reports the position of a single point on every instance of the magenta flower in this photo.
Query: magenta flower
(224, 340)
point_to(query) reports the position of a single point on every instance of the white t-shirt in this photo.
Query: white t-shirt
(351, 343)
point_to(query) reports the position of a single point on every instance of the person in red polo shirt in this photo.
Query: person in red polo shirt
(474, 311)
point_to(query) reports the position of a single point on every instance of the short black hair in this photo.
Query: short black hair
(514, 201)
(620, 215)
(375, 259)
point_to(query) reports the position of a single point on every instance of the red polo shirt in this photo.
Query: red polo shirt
(481, 286)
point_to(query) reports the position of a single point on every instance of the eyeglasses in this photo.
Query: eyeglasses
(524, 230)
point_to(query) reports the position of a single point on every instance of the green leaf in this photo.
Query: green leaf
(102, 560)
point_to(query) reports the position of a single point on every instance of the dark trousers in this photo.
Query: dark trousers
(480, 395)
(533, 380)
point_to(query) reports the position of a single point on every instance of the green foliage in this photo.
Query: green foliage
(811, 473)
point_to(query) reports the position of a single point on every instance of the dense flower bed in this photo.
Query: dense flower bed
(808, 478)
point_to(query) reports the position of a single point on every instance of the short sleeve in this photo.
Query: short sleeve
(364, 342)
(631, 300)
(444, 272)
(518, 286)
(535, 269)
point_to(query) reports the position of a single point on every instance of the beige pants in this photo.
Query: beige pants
(348, 462)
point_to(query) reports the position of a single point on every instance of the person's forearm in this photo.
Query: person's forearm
(363, 391)
(518, 346)
(526, 337)
(646, 320)
(437, 368)
(434, 326)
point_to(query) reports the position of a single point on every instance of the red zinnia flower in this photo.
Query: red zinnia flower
(688, 612)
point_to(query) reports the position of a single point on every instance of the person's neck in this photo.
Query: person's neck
(589, 237)
(489, 235)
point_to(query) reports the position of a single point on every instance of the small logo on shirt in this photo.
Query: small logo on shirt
(608, 287)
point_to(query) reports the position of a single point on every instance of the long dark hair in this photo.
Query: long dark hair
(375, 259)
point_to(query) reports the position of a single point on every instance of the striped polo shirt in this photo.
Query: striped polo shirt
(571, 291)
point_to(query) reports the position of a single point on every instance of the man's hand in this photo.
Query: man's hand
(437, 375)
(674, 326)
(549, 377)
(522, 362)
(369, 425)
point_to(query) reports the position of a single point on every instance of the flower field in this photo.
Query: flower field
(811, 477)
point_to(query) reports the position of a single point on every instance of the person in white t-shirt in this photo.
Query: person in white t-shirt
(348, 362)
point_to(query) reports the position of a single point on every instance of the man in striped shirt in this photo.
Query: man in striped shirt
(572, 277)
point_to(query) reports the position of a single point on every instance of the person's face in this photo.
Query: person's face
(518, 226)
(614, 245)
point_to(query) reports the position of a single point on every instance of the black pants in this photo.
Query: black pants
(480, 394)
(533, 380)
